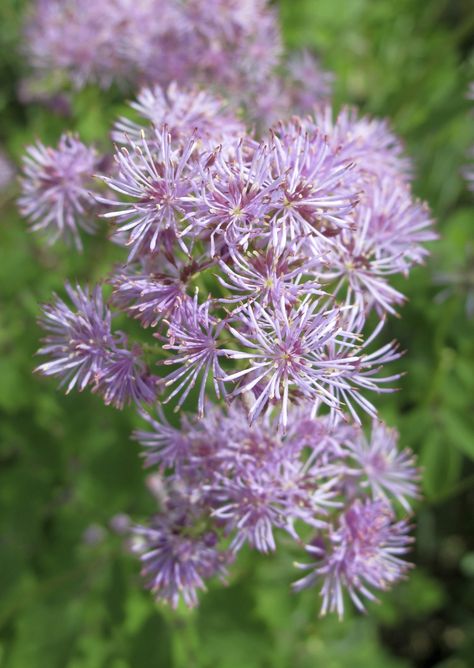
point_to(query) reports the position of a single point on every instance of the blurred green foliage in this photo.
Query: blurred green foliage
(70, 594)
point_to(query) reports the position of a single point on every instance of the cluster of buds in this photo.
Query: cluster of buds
(253, 262)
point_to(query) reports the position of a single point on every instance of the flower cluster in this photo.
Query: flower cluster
(225, 483)
(254, 265)
(232, 45)
(259, 265)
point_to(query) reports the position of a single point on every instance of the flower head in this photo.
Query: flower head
(306, 352)
(185, 112)
(363, 553)
(368, 142)
(83, 351)
(176, 557)
(236, 195)
(57, 186)
(388, 471)
(77, 338)
(267, 276)
(308, 84)
(193, 338)
(314, 197)
(124, 379)
(156, 178)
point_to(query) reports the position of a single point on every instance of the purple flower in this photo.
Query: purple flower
(314, 198)
(389, 228)
(155, 177)
(236, 193)
(368, 142)
(308, 352)
(287, 241)
(194, 340)
(83, 351)
(86, 42)
(363, 553)
(176, 558)
(247, 482)
(268, 493)
(164, 444)
(266, 276)
(308, 83)
(254, 510)
(398, 224)
(388, 471)
(78, 339)
(184, 112)
(324, 437)
(56, 189)
(124, 379)
(153, 295)
(229, 45)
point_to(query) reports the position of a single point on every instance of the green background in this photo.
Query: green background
(70, 594)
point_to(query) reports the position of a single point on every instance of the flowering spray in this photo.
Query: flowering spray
(254, 260)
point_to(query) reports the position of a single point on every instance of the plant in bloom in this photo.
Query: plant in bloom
(254, 261)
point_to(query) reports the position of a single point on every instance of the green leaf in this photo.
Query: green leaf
(441, 465)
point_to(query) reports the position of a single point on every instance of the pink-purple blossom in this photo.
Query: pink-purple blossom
(364, 551)
(83, 351)
(58, 189)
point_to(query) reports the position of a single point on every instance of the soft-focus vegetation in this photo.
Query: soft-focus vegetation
(70, 593)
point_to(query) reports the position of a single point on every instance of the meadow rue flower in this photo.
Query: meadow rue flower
(308, 84)
(83, 350)
(149, 298)
(57, 189)
(228, 44)
(267, 276)
(176, 556)
(387, 238)
(314, 198)
(184, 111)
(124, 379)
(91, 42)
(78, 338)
(194, 339)
(363, 553)
(387, 469)
(254, 264)
(236, 193)
(307, 350)
(156, 178)
(369, 142)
